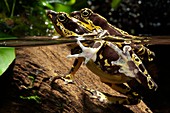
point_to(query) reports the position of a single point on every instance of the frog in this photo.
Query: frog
(70, 27)
(115, 66)
(88, 16)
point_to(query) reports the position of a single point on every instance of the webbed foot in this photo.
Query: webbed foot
(66, 78)
(87, 52)
(109, 99)
(97, 95)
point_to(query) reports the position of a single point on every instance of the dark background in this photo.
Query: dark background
(137, 17)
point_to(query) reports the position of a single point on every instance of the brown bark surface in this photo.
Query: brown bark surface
(33, 68)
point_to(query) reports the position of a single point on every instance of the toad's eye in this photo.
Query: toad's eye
(61, 17)
(86, 13)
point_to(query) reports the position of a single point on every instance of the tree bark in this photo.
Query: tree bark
(27, 89)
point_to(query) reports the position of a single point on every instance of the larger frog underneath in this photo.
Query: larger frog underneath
(113, 64)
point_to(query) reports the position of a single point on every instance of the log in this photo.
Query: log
(29, 89)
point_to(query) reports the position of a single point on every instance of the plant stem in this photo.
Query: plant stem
(6, 3)
(13, 7)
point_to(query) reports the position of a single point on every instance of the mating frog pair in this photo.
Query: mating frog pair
(115, 63)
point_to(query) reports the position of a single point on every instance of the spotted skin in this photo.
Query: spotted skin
(102, 65)
(116, 61)
(88, 16)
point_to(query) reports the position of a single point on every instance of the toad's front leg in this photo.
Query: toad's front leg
(70, 76)
(88, 52)
(76, 65)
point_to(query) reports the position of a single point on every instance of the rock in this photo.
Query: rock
(29, 88)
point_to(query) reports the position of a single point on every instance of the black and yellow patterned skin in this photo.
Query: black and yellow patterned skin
(69, 27)
(88, 16)
(109, 61)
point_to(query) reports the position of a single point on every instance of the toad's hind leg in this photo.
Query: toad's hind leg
(143, 52)
(132, 97)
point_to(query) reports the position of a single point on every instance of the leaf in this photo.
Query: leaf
(64, 2)
(46, 4)
(7, 55)
(115, 3)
